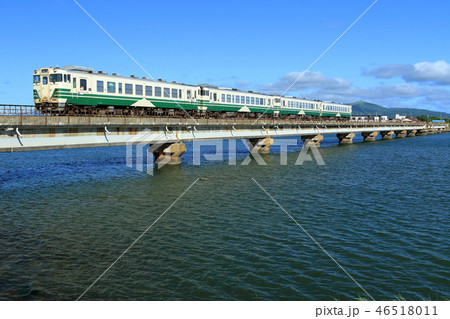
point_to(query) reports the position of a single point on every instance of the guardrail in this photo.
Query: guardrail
(23, 110)
(30, 110)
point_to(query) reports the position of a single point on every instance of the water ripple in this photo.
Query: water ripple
(380, 209)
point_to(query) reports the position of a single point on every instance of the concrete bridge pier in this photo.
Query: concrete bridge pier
(345, 138)
(261, 145)
(312, 139)
(400, 134)
(411, 133)
(369, 136)
(422, 132)
(388, 135)
(169, 153)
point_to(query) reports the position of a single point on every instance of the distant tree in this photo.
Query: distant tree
(425, 118)
(422, 118)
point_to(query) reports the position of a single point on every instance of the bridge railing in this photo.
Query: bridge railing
(30, 110)
(22, 110)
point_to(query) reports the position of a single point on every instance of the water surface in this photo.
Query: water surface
(380, 209)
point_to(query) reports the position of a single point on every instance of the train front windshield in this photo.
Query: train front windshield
(56, 77)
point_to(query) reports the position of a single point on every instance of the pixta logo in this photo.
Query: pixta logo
(149, 151)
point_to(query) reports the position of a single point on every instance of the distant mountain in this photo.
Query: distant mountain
(366, 108)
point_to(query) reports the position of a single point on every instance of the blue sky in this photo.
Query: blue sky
(397, 55)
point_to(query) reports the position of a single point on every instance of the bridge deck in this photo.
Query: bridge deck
(24, 133)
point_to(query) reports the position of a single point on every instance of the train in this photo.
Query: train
(81, 90)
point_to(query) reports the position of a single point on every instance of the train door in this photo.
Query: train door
(204, 98)
(276, 106)
(41, 85)
(84, 91)
(45, 87)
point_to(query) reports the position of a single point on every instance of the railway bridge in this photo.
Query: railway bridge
(24, 129)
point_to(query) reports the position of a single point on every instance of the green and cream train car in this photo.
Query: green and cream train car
(73, 88)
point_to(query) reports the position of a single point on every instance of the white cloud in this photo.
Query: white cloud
(437, 73)
(315, 85)
(309, 80)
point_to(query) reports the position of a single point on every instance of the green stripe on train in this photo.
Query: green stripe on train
(117, 100)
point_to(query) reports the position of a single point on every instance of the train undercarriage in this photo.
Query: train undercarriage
(77, 110)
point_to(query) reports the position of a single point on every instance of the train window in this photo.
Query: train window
(242, 99)
(74, 83)
(148, 90)
(223, 97)
(257, 101)
(166, 92)
(65, 77)
(253, 100)
(174, 94)
(56, 77)
(215, 96)
(36, 79)
(247, 100)
(68, 78)
(111, 87)
(157, 91)
(44, 80)
(128, 88)
(44, 70)
(188, 94)
(100, 86)
(228, 98)
(179, 94)
(232, 99)
(83, 84)
(120, 88)
(138, 89)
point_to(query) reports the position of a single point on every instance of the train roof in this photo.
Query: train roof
(82, 69)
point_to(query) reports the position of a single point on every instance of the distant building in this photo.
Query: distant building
(369, 118)
(412, 119)
(399, 117)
